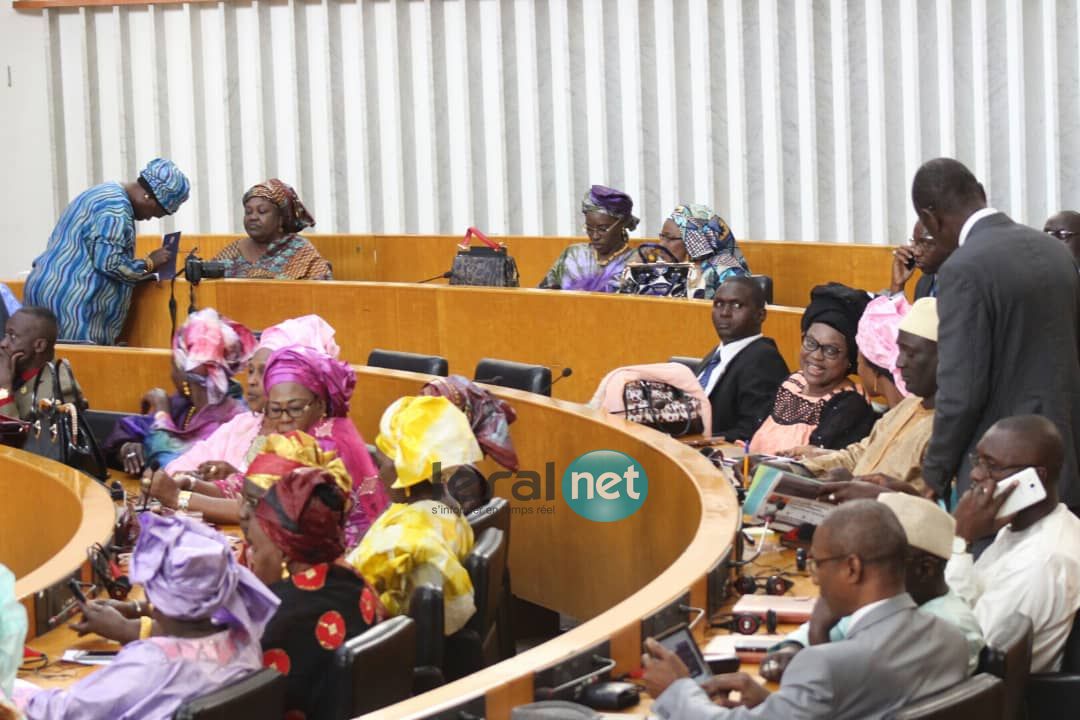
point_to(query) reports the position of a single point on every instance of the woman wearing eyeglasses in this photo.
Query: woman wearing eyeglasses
(819, 405)
(308, 391)
(597, 265)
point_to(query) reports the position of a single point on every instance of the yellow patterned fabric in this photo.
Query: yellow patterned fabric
(297, 448)
(421, 543)
(418, 432)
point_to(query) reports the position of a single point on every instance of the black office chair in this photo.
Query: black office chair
(101, 424)
(374, 669)
(475, 646)
(520, 376)
(1054, 696)
(690, 362)
(1007, 655)
(496, 513)
(977, 698)
(259, 695)
(766, 285)
(427, 611)
(410, 362)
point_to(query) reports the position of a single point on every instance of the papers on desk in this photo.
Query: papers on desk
(747, 648)
(89, 657)
(789, 499)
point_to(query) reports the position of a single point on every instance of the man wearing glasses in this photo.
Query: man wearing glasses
(923, 251)
(1033, 565)
(1065, 226)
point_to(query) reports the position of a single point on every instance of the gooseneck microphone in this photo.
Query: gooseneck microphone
(566, 372)
(441, 276)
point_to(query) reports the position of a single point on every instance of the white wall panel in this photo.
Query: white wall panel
(795, 119)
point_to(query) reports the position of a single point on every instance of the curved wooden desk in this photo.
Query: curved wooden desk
(593, 333)
(49, 516)
(610, 575)
(795, 267)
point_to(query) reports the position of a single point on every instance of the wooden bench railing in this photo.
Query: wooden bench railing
(795, 267)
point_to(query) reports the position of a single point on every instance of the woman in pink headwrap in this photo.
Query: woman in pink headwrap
(207, 351)
(305, 390)
(876, 340)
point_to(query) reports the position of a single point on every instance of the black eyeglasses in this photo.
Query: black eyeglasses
(991, 468)
(294, 411)
(1061, 233)
(831, 352)
(924, 240)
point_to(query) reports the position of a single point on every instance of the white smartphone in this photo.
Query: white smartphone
(1029, 491)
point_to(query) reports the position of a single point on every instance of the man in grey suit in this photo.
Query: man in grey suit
(1009, 305)
(893, 654)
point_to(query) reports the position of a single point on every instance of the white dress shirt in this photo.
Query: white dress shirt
(1035, 572)
(728, 351)
(970, 223)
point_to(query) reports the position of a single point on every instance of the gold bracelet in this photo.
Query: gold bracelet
(146, 627)
(149, 265)
(183, 500)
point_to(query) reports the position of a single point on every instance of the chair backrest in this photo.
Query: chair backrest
(410, 362)
(1007, 655)
(690, 362)
(259, 695)
(766, 285)
(1071, 662)
(520, 376)
(486, 565)
(102, 422)
(495, 513)
(427, 611)
(977, 698)
(374, 669)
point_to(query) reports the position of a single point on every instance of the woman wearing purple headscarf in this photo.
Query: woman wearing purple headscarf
(208, 617)
(308, 391)
(597, 265)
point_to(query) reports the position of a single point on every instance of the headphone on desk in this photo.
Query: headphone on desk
(773, 585)
(747, 623)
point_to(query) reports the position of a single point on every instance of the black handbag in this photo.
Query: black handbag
(657, 279)
(59, 430)
(662, 407)
(481, 266)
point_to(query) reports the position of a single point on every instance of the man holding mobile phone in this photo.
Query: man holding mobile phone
(1033, 565)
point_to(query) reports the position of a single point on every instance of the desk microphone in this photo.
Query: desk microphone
(441, 276)
(154, 467)
(566, 372)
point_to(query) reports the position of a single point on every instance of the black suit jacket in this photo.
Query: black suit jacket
(743, 397)
(1008, 306)
(922, 287)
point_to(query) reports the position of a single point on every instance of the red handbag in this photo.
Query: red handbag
(489, 266)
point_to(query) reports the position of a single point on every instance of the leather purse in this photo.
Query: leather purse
(483, 266)
(662, 407)
(59, 428)
(657, 279)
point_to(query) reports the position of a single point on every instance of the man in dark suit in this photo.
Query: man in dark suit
(1008, 308)
(740, 375)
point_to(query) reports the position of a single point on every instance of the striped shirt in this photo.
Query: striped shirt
(88, 270)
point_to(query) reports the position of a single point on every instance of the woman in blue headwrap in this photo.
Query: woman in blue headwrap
(88, 270)
(597, 265)
(694, 233)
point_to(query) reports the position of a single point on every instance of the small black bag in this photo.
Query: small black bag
(489, 266)
(662, 407)
(59, 429)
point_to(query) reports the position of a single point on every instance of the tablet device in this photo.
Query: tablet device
(679, 641)
(167, 271)
(1029, 491)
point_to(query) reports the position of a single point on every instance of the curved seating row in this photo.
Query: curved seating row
(794, 266)
(612, 576)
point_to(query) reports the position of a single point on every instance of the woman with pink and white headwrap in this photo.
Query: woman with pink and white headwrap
(208, 350)
(876, 339)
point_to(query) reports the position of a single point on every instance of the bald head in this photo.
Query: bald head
(1028, 440)
(947, 186)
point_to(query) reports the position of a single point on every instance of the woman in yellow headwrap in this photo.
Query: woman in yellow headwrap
(423, 538)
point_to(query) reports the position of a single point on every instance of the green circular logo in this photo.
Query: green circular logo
(605, 486)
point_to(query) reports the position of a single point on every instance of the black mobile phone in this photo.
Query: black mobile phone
(910, 264)
(76, 590)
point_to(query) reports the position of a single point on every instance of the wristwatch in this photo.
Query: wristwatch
(960, 546)
(183, 500)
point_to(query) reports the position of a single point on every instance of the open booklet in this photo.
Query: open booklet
(789, 499)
